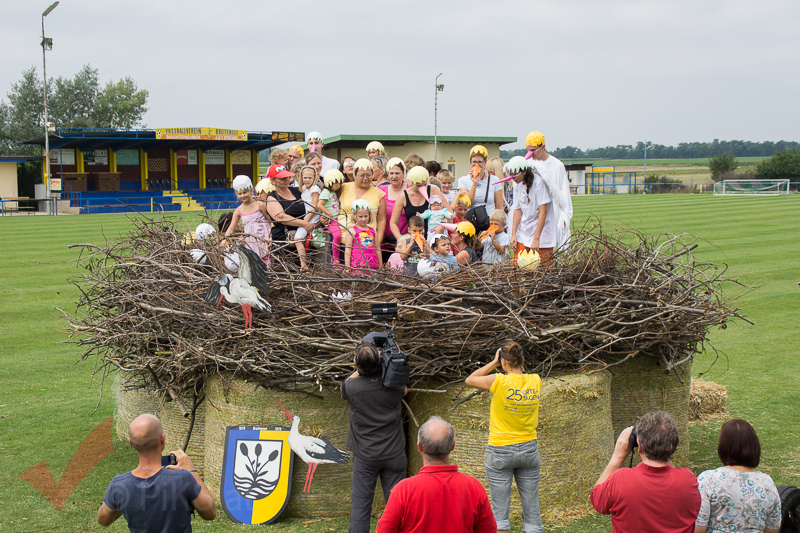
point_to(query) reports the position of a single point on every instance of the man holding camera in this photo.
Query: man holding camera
(153, 498)
(376, 435)
(654, 496)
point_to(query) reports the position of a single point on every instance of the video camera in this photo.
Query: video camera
(396, 371)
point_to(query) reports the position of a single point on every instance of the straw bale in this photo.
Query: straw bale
(236, 402)
(640, 386)
(574, 433)
(131, 401)
(176, 426)
(707, 400)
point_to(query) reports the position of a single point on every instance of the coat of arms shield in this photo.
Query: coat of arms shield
(256, 473)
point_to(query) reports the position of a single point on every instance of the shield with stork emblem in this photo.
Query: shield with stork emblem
(256, 473)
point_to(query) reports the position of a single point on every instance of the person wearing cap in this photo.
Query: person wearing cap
(375, 149)
(362, 188)
(475, 184)
(435, 215)
(296, 153)
(315, 144)
(555, 177)
(287, 209)
(414, 200)
(253, 216)
(533, 221)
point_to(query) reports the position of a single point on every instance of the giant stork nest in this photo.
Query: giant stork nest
(614, 294)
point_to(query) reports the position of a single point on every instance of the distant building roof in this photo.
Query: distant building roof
(359, 141)
(19, 158)
(117, 139)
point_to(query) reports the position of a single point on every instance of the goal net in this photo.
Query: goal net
(752, 187)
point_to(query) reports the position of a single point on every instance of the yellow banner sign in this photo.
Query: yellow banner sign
(205, 134)
(602, 169)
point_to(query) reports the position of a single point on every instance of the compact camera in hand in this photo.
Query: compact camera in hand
(169, 460)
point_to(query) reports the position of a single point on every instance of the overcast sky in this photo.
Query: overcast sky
(585, 73)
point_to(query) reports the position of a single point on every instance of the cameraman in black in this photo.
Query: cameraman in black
(376, 435)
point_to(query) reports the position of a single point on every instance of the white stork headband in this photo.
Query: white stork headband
(241, 183)
(517, 164)
(360, 204)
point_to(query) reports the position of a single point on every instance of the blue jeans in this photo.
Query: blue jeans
(503, 464)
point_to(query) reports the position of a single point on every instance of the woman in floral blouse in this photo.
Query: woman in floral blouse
(737, 497)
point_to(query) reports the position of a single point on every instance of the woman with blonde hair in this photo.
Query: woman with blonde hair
(512, 452)
(362, 188)
(494, 166)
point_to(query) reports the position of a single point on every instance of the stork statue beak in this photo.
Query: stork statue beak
(219, 301)
(285, 411)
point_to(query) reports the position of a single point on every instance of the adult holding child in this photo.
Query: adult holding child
(481, 187)
(363, 189)
(512, 452)
(736, 496)
(463, 238)
(414, 200)
(287, 209)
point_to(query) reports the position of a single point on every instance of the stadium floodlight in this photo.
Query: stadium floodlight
(751, 187)
(47, 44)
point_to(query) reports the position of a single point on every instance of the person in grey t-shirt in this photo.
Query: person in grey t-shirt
(376, 434)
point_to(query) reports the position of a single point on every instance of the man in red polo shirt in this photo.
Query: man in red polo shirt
(439, 498)
(654, 496)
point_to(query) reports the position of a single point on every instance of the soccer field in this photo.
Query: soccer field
(47, 402)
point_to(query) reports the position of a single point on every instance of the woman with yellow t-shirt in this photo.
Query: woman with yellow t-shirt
(512, 451)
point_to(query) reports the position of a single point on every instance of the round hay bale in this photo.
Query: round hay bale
(575, 438)
(238, 402)
(132, 400)
(707, 400)
(640, 386)
(176, 426)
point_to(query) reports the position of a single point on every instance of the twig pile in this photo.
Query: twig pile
(609, 297)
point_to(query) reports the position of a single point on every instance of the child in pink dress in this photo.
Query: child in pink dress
(253, 216)
(360, 248)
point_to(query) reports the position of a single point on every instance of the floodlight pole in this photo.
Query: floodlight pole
(646, 143)
(46, 127)
(436, 90)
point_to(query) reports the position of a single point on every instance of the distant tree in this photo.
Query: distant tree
(779, 166)
(23, 115)
(120, 105)
(721, 165)
(76, 102)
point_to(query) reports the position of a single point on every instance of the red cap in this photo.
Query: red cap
(278, 171)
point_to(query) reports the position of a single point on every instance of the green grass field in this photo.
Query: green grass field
(48, 402)
(694, 162)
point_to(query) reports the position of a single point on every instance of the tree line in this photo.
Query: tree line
(79, 102)
(689, 150)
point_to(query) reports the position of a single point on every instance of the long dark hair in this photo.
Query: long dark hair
(528, 180)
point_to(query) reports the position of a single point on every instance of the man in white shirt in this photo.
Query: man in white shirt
(555, 177)
(315, 144)
(474, 186)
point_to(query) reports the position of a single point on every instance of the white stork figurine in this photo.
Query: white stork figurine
(248, 290)
(312, 450)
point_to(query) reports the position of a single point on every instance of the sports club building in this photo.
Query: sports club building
(170, 169)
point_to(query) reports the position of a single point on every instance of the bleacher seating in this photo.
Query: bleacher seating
(214, 199)
(139, 201)
(122, 202)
